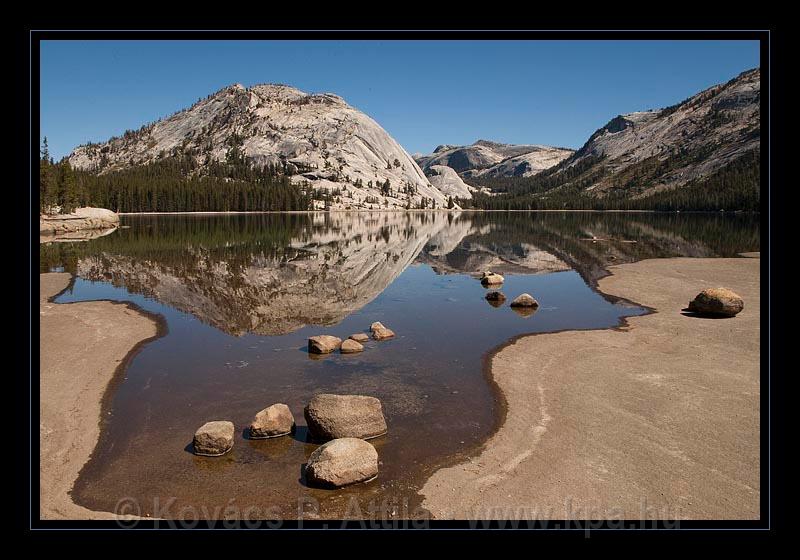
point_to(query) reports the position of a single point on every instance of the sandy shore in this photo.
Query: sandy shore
(659, 419)
(82, 345)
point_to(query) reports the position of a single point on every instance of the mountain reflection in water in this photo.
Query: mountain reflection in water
(272, 274)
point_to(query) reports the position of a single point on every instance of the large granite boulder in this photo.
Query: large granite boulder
(720, 302)
(323, 344)
(213, 438)
(344, 416)
(342, 462)
(273, 421)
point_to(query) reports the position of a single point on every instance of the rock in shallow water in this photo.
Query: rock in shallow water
(359, 337)
(382, 333)
(524, 300)
(273, 421)
(376, 325)
(344, 416)
(721, 302)
(342, 462)
(350, 346)
(496, 299)
(323, 344)
(491, 279)
(213, 438)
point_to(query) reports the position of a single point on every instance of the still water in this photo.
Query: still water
(240, 295)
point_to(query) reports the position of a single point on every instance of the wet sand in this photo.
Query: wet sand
(82, 347)
(656, 419)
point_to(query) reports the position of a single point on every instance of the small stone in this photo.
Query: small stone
(342, 462)
(496, 299)
(382, 333)
(359, 337)
(341, 416)
(213, 438)
(350, 346)
(273, 421)
(492, 279)
(720, 302)
(525, 300)
(323, 344)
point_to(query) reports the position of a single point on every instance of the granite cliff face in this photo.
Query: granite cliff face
(322, 140)
(642, 153)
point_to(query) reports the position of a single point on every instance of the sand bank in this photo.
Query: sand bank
(657, 419)
(82, 347)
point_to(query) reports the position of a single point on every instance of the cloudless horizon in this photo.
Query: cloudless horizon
(424, 93)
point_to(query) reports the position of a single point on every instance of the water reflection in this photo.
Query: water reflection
(274, 274)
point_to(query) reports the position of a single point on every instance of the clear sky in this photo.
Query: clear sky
(424, 93)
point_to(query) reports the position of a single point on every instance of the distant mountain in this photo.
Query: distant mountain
(493, 159)
(319, 141)
(702, 153)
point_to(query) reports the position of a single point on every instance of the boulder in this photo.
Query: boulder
(376, 325)
(382, 333)
(213, 438)
(524, 300)
(720, 302)
(323, 344)
(350, 346)
(359, 337)
(343, 416)
(342, 462)
(273, 421)
(492, 279)
(495, 299)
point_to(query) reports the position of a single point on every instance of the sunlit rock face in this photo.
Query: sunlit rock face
(326, 142)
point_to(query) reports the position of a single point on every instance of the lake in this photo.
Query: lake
(241, 294)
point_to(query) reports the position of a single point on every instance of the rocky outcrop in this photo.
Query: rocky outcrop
(213, 438)
(494, 159)
(646, 152)
(274, 421)
(344, 416)
(342, 462)
(448, 181)
(720, 302)
(319, 139)
(81, 219)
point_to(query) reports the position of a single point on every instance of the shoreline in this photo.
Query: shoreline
(446, 210)
(76, 384)
(589, 425)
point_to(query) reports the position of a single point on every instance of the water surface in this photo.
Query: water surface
(241, 294)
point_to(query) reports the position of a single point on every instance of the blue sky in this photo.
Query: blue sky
(424, 93)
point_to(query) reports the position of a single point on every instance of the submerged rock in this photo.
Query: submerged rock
(717, 301)
(344, 416)
(491, 279)
(496, 299)
(350, 346)
(359, 337)
(213, 438)
(323, 344)
(525, 300)
(273, 421)
(342, 462)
